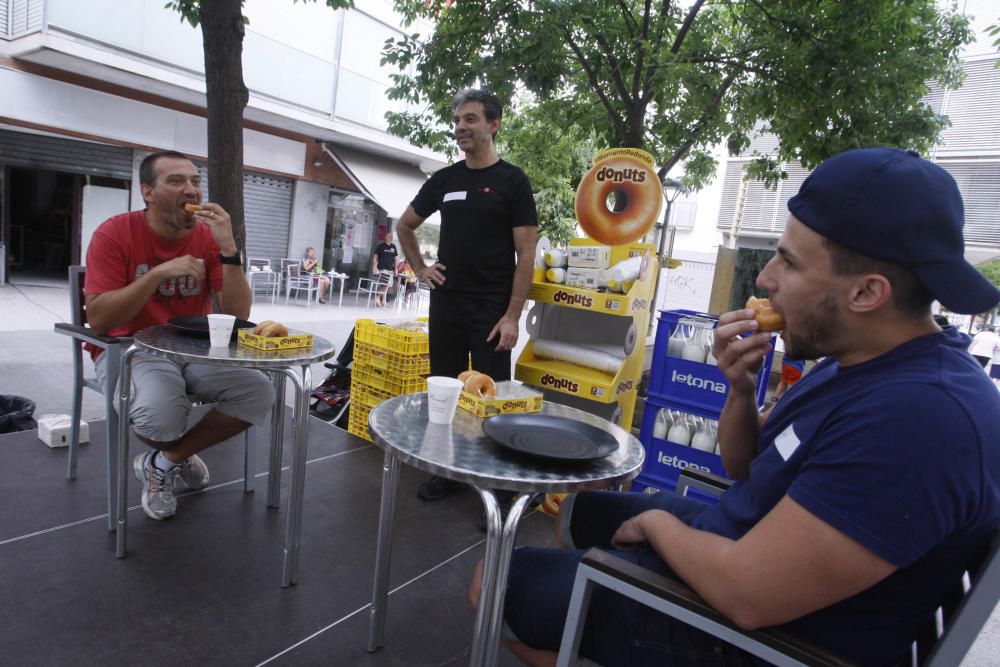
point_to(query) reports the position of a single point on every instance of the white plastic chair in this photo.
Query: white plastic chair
(259, 272)
(297, 279)
(373, 286)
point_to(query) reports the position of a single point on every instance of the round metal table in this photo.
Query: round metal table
(462, 452)
(171, 343)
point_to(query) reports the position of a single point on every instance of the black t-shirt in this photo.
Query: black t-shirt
(479, 209)
(386, 253)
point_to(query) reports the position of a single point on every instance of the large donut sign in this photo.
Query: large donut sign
(628, 174)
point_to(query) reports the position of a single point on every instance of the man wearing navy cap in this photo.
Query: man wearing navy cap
(859, 500)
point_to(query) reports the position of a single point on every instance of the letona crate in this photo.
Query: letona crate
(696, 384)
(391, 337)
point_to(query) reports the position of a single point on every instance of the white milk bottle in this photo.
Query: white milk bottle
(695, 349)
(704, 439)
(709, 357)
(680, 432)
(662, 424)
(678, 340)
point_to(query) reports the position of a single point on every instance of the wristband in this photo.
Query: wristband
(235, 259)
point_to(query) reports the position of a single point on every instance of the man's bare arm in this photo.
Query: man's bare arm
(790, 564)
(508, 328)
(740, 360)
(406, 230)
(107, 310)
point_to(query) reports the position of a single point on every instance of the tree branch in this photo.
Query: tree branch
(613, 66)
(629, 19)
(640, 58)
(686, 26)
(699, 127)
(594, 83)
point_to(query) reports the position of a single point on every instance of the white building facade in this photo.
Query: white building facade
(736, 213)
(90, 88)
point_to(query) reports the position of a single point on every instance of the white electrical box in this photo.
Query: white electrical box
(54, 430)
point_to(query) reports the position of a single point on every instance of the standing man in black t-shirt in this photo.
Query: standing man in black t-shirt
(384, 259)
(485, 255)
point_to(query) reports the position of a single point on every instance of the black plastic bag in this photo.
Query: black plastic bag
(16, 414)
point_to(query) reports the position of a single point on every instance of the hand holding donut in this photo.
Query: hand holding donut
(740, 357)
(768, 318)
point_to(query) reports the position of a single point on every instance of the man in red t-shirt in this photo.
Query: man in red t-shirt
(145, 267)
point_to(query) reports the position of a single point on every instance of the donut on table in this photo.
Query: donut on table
(628, 176)
(465, 375)
(479, 384)
(768, 318)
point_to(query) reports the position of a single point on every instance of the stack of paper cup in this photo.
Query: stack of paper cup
(442, 398)
(220, 329)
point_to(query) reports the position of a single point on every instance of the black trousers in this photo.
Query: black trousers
(459, 325)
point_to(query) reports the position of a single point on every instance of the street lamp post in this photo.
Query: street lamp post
(672, 189)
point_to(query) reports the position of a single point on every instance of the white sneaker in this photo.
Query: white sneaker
(194, 473)
(158, 501)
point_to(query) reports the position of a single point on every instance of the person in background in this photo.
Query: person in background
(985, 344)
(384, 260)
(860, 500)
(486, 254)
(406, 271)
(145, 267)
(311, 265)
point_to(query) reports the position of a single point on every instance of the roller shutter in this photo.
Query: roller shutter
(38, 151)
(979, 182)
(267, 207)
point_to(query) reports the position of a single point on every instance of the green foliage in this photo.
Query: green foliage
(824, 76)
(991, 270)
(554, 158)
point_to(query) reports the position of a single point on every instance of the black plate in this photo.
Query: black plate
(197, 325)
(550, 437)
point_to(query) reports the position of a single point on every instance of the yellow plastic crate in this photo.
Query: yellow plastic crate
(396, 363)
(357, 421)
(391, 338)
(367, 395)
(385, 381)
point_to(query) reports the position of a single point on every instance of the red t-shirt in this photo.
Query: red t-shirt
(125, 247)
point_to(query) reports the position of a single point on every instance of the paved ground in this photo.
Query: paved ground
(36, 362)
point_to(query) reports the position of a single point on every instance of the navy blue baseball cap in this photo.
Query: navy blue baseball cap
(895, 206)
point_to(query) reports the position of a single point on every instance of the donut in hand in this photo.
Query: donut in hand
(766, 316)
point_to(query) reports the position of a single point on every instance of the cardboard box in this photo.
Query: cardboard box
(587, 278)
(590, 256)
(294, 339)
(54, 430)
(511, 397)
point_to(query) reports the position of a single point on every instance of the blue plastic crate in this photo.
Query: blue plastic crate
(643, 484)
(695, 384)
(664, 459)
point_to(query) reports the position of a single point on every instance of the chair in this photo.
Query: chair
(285, 263)
(299, 280)
(259, 271)
(113, 346)
(943, 642)
(373, 286)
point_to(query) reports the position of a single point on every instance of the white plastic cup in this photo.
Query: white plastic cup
(220, 329)
(442, 398)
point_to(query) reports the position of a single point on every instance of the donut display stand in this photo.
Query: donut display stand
(578, 319)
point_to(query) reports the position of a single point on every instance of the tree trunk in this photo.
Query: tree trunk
(222, 36)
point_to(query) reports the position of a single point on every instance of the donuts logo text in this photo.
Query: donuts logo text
(549, 380)
(562, 296)
(619, 175)
(639, 305)
(507, 406)
(625, 385)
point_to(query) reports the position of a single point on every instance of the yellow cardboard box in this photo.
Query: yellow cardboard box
(511, 397)
(294, 339)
